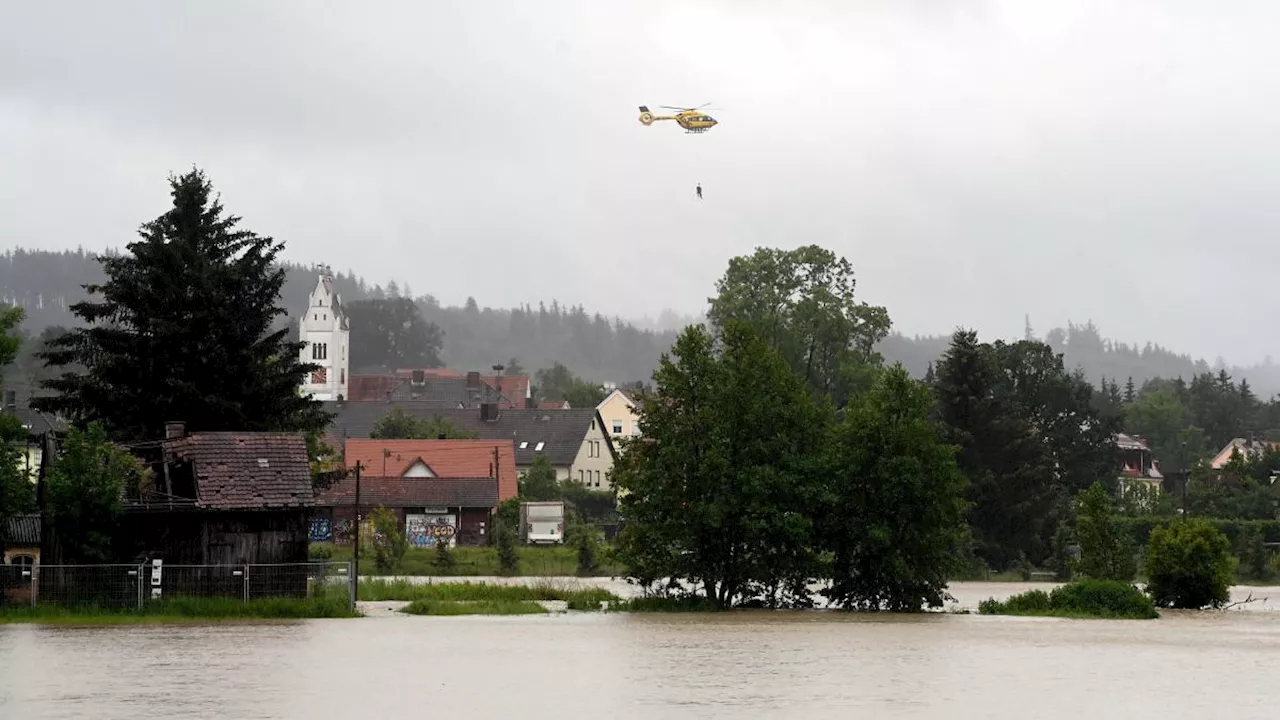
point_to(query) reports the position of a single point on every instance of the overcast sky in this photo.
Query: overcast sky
(974, 160)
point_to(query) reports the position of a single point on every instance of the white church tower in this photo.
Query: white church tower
(327, 335)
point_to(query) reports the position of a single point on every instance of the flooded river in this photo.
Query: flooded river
(619, 667)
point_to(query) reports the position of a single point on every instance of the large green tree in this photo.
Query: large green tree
(1106, 550)
(390, 334)
(538, 483)
(720, 494)
(894, 500)
(801, 302)
(400, 425)
(1010, 469)
(559, 383)
(83, 495)
(16, 495)
(185, 328)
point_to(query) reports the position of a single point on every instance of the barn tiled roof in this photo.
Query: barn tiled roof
(412, 492)
(247, 471)
(445, 458)
(22, 530)
(560, 432)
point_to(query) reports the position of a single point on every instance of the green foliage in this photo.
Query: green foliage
(389, 542)
(505, 540)
(83, 494)
(539, 482)
(559, 383)
(1189, 565)
(400, 425)
(592, 506)
(1084, 599)
(507, 515)
(1029, 434)
(474, 592)
(10, 339)
(585, 540)
(480, 607)
(319, 552)
(1063, 558)
(444, 557)
(894, 502)
(801, 304)
(184, 610)
(1106, 551)
(1162, 418)
(722, 492)
(390, 334)
(1254, 554)
(185, 328)
(17, 495)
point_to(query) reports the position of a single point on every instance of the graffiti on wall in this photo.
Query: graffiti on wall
(342, 531)
(423, 531)
(321, 529)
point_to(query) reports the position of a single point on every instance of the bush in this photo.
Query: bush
(1087, 598)
(505, 538)
(444, 555)
(319, 552)
(508, 514)
(389, 543)
(1189, 565)
(585, 539)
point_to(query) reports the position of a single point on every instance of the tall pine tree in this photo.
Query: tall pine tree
(185, 329)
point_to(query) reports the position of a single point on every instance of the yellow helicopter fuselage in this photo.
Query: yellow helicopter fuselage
(694, 121)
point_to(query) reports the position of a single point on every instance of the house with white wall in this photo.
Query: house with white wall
(325, 330)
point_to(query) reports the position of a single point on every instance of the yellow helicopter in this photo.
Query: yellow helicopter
(693, 120)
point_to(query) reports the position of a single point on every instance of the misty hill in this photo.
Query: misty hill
(593, 346)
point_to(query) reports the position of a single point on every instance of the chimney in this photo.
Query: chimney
(11, 402)
(488, 412)
(174, 429)
(473, 379)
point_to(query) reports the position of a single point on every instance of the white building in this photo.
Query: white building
(327, 335)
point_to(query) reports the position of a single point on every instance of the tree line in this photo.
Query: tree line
(471, 336)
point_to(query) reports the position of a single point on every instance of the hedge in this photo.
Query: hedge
(1140, 528)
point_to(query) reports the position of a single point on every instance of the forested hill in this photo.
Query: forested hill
(593, 346)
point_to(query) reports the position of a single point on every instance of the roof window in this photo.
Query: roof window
(538, 448)
(524, 444)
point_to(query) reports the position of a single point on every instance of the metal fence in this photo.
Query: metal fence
(133, 586)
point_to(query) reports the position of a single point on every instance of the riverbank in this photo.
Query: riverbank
(184, 610)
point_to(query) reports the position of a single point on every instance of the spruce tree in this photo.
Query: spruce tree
(185, 328)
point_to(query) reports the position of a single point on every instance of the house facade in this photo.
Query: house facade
(574, 441)
(326, 331)
(1245, 446)
(1140, 470)
(441, 491)
(618, 410)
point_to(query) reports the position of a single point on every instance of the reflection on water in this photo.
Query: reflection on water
(734, 665)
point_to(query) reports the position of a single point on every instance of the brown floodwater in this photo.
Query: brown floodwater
(619, 667)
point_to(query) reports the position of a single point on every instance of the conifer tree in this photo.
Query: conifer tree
(185, 328)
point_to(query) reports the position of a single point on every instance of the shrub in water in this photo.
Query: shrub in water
(1087, 598)
(1189, 565)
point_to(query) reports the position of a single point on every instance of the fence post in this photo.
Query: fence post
(246, 583)
(351, 583)
(141, 567)
(35, 582)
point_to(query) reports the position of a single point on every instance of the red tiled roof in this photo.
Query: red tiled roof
(445, 458)
(247, 471)
(551, 404)
(412, 492)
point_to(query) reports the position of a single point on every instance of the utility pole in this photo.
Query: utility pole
(356, 556)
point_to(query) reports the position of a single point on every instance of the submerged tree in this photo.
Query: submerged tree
(185, 328)
(1106, 551)
(895, 508)
(721, 491)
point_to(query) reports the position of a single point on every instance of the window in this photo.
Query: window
(524, 445)
(319, 351)
(617, 427)
(25, 561)
(579, 476)
(538, 447)
(597, 478)
(342, 376)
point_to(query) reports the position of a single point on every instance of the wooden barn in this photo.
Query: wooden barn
(224, 498)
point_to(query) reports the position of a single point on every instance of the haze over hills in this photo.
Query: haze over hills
(45, 284)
